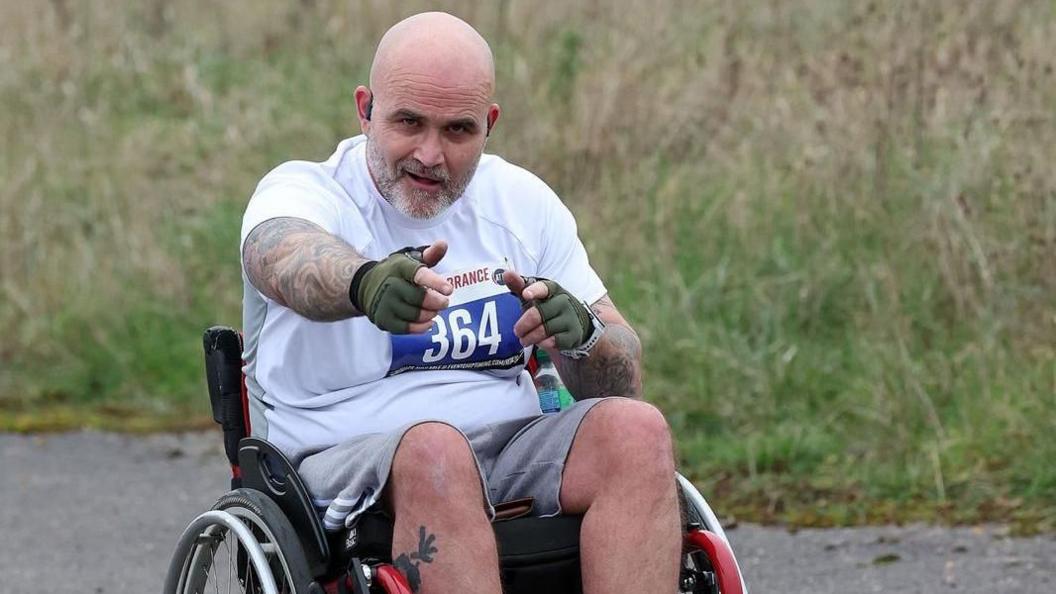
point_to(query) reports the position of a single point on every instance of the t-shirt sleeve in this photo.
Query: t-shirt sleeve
(290, 199)
(563, 257)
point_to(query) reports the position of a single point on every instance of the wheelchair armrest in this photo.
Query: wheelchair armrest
(266, 469)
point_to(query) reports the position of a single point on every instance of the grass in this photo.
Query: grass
(832, 223)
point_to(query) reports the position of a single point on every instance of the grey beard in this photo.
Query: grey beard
(415, 203)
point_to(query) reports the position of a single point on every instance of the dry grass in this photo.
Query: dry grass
(832, 222)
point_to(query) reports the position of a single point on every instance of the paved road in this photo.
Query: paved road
(99, 513)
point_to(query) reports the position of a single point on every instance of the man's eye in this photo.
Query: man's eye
(409, 122)
(461, 130)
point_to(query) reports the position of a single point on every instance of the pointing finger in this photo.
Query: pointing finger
(425, 277)
(536, 290)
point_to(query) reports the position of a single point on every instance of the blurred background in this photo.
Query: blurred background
(833, 223)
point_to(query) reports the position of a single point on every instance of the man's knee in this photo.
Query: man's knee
(632, 434)
(435, 461)
(623, 446)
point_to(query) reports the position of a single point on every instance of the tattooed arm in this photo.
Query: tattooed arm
(300, 265)
(614, 367)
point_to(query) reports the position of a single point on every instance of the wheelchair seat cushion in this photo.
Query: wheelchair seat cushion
(529, 541)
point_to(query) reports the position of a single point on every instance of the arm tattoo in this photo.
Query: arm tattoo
(299, 265)
(614, 365)
(424, 554)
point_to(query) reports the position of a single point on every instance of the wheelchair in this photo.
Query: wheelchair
(266, 537)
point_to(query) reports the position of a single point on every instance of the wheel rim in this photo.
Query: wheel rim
(220, 562)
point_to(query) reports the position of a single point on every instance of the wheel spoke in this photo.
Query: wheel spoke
(215, 576)
(232, 566)
(251, 586)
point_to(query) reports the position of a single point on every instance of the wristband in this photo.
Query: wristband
(357, 279)
(597, 331)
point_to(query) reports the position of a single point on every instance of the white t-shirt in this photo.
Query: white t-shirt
(314, 384)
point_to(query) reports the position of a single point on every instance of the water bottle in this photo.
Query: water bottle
(553, 395)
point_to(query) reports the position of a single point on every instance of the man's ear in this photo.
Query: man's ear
(493, 116)
(364, 106)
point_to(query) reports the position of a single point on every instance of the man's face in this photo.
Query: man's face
(424, 144)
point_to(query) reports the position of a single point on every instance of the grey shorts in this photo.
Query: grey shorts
(516, 458)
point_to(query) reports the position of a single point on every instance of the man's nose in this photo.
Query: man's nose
(430, 151)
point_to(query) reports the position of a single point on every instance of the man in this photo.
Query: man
(396, 376)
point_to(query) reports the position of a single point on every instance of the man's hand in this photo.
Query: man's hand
(400, 294)
(553, 318)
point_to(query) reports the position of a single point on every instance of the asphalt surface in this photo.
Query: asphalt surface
(100, 513)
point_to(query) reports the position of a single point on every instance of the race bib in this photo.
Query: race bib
(474, 332)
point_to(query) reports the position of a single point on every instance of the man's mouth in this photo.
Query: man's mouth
(424, 181)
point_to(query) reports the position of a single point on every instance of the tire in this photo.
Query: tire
(213, 555)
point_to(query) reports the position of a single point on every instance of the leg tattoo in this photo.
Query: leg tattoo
(424, 554)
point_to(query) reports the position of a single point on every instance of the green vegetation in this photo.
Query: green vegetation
(833, 223)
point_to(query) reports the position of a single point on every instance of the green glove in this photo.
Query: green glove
(564, 318)
(385, 291)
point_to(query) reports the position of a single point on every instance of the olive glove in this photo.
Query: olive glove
(574, 327)
(385, 292)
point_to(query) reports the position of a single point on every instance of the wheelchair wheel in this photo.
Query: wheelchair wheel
(709, 565)
(245, 544)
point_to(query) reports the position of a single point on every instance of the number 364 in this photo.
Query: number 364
(460, 336)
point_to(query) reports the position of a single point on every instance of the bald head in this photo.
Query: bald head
(434, 48)
(428, 112)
